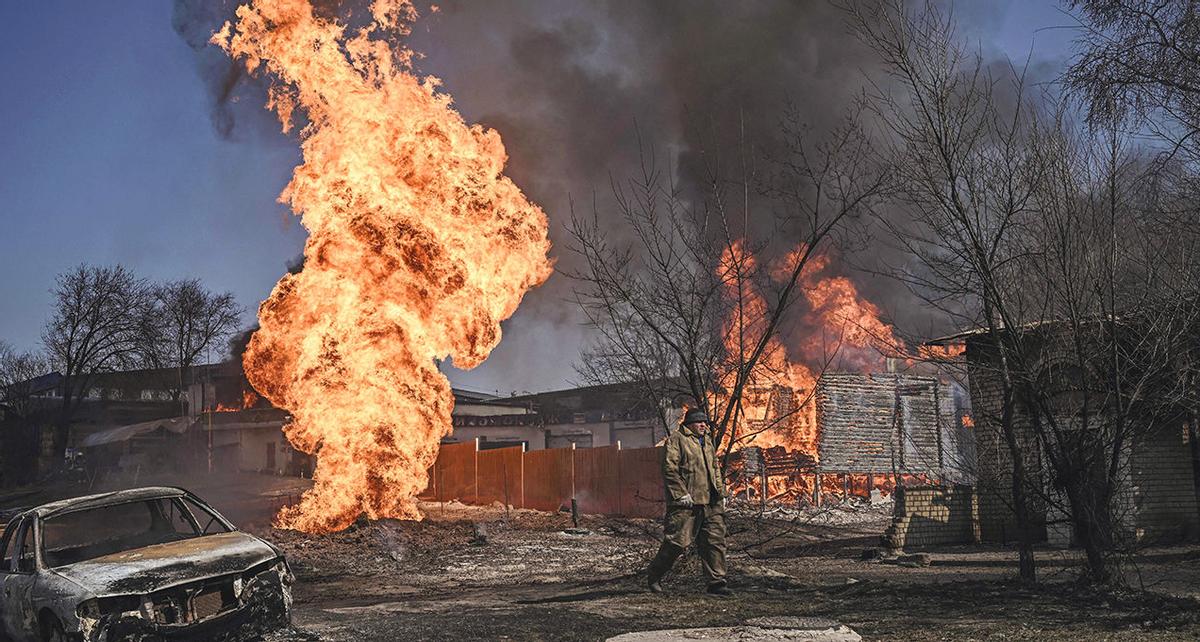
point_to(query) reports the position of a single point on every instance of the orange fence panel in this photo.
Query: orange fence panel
(598, 480)
(548, 478)
(456, 473)
(500, 476)
(641, 488)
(604, 480)
(430, 492)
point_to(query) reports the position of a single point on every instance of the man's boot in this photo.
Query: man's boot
(662, 562)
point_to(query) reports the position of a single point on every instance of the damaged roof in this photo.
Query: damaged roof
(125, 433)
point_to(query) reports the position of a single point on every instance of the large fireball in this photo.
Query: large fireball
(418, 247)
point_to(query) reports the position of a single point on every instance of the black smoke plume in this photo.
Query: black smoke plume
(567, 84)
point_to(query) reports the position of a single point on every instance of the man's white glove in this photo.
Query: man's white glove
(685, 501)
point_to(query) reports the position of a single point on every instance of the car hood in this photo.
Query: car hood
(152, 568)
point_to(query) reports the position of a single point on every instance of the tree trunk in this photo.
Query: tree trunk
(1026, 564)
(61, 428)
(1092, 519)
(1020, 494)
(1084, 473)
(74, 392)
(1095, 551)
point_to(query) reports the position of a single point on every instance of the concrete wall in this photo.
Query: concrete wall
(487, 409)
(601, 434)
(254, 446)
(934, 515)
(637, 434)
(246, 449)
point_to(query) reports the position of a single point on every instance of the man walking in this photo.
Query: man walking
(695, 498)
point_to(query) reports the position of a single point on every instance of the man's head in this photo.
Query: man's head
(696, 420)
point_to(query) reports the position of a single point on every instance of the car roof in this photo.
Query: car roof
(103, 499)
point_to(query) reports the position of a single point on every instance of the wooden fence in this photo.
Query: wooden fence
(602, 481)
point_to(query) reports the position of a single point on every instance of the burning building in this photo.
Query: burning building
(419, 246)
(839, 394)
(886, 423)
(870, 431)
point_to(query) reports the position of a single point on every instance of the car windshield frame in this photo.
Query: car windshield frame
(186, 504)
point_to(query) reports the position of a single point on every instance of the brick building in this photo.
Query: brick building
(1156, 499)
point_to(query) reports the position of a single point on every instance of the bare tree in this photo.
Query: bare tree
(678, 295)
(1141, 59)
(183, 322)
(966, 180)
(18, 370)
(1121, 320)
(95, 326)
(1036, 231)
(22, 412)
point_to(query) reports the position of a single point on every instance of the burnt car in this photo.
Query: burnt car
(141, 564)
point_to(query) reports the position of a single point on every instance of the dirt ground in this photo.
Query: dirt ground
(533, 580)
(536, 578)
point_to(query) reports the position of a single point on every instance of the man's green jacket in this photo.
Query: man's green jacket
(691, 469)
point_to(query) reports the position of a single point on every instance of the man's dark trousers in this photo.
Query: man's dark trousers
(705, 525)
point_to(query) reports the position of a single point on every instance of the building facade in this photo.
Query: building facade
(586, 417)
(1156, 497)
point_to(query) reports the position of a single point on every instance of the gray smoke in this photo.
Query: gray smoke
(566, 86)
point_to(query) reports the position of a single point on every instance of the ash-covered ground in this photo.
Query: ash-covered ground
(538, 578)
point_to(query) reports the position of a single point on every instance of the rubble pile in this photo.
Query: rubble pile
(854, 512)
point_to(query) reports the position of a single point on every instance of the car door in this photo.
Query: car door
(18, 580)
(8, 544)
(11, 609)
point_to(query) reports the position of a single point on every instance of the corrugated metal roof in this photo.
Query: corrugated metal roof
(125, 433)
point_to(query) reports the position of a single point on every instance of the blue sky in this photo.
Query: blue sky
(107, 155)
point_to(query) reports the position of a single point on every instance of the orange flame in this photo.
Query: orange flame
(777, 405)
(798, 487)
(768, 413)
(248, 401)
(936, 353)
(418, 247)
(850, 327)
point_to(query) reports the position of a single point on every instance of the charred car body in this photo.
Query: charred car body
(142, 564)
